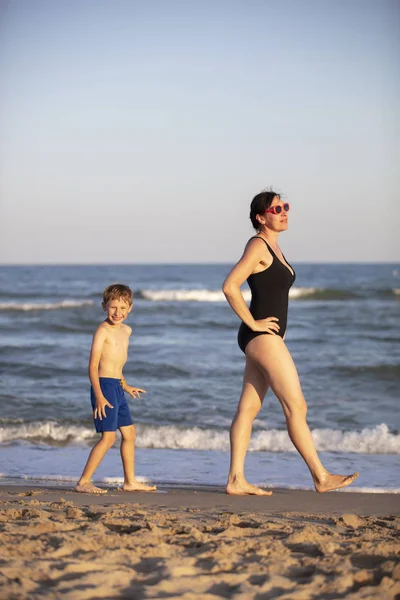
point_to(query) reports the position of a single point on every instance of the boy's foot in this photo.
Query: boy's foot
(243, 488)
(334, 482)
(89, 488)
(136, 486)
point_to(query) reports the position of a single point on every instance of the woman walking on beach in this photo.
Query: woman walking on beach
(261, 338)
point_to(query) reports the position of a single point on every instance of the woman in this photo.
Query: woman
(261, 337)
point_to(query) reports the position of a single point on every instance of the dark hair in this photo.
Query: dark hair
(259, 205)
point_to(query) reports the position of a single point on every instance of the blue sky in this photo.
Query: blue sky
(139, 131)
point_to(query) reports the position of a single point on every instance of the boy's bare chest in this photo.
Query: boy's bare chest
(118, 344)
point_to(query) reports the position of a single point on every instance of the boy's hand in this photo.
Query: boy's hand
(133, 391)
(100, 410)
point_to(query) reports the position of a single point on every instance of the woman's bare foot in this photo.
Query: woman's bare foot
(334, 482)
(89, 488)
(136, 486)
(240, 487)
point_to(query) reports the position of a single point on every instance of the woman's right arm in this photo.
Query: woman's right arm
(255, 252)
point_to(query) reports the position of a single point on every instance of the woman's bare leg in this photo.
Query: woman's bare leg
(131, 484)
(270, 353)
(253, 392)
(96, 455)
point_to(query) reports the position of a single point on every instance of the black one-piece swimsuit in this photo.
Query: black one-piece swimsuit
(269, 297)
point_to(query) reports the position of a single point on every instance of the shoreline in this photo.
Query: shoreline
(175, 497)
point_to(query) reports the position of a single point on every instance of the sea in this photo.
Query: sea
(343, 333)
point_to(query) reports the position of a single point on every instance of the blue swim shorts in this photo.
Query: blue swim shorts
(119, 415)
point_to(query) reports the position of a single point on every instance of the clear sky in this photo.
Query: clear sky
(139, 131)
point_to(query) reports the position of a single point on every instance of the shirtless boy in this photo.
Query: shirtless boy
(108, 355)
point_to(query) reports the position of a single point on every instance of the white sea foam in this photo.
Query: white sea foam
(378, 440)
(204, 295)
(31, 306)
(187, 295)
(48, 432)
(369, 490)
(369, 441)
(301, 292)
(351, 489)
(59, 478)
(120, 480)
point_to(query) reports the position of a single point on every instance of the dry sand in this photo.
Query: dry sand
(197, 543)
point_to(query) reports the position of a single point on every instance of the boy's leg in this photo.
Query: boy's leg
(131, 484)
(95, 457)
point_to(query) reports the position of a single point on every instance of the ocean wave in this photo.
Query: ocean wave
(33, 306)
(295, 293)
(205, 295)
(185, 295)
(378, 440)
(382, 371)
(50, 432)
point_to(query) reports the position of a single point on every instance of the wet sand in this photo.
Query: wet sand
(197, 543)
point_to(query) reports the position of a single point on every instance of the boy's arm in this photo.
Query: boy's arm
(94, 361)
(130, 389)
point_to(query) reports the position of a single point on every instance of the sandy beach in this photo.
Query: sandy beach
(197, 543)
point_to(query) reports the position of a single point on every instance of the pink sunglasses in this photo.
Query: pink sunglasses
(276, 210)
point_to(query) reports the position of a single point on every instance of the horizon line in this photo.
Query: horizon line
(195, 263)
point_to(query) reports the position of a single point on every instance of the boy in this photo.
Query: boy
(108, 355)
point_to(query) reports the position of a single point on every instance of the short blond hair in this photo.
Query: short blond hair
(117, 291)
